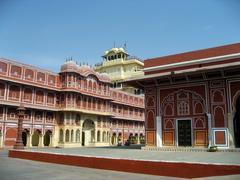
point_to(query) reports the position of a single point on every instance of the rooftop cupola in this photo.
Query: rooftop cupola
(114, 54)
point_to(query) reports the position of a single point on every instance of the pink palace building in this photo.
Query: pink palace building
(72, 108)
(192, 99)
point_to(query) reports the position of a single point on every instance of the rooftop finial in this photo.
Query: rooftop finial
(125, 46)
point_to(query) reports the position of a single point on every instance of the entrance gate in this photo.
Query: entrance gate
(184, 133)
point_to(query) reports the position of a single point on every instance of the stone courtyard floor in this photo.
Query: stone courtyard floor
(138, 154)
(12, 168)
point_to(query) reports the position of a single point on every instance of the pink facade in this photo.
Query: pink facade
(47, 96)
(192, 99)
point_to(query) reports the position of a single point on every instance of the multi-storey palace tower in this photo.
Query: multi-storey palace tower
(120, 66)
(75, 107)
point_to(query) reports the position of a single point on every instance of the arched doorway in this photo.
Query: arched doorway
(72, 135)
(114, 138)
(98, 136)
(136, 139)
(119, 139)
(236, 122)
(104, 136)
(88, 131)
(142, 139)
(61, 136)
(67, 136)
(83, 138)
(25, 133)
(35, 138)
(47, 137)
(131, 138)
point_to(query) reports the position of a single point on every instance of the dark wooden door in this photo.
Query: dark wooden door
(83, 138)
(184, 133)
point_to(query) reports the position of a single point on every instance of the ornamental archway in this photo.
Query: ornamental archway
(47, 138)
(184, 121)
(88, 132)
(36, 138)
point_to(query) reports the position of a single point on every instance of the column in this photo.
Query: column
(41, 139)
(63, 136)
(101, 133)
(96, 130)
(5, 91)
(209, 129)
(138, 139)
(29, 140)
(230, 129)
(51, 141)
(159, 131)
(1, 140)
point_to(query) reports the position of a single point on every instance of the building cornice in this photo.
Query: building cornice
(192, 62)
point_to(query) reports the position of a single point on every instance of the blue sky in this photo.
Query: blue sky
(46, 32)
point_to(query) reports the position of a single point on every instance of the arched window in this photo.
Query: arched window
(77, 121)
(78, 101)
(50, 98)
(2, 89)
(29, 74)
(27, 94)
(219, 117)
(98, 136)
(150, 119)
(16, 71)
(61, 135)
(94, 86)
(67, 136)
(72, 135)
(104, 136)
(39, 96)
(90, 85)
(3, 68)
(78, 135)
(14, 92)
(41, 77)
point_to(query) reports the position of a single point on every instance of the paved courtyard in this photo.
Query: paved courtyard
(18, 169)
(138, 154)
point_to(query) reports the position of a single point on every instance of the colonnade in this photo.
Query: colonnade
(37, 139)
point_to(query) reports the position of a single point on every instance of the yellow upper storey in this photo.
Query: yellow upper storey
(119, 65)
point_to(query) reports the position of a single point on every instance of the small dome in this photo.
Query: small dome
(69, 66)
(115, 50)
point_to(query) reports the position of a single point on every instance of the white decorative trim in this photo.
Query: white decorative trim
(195, 102)
(200, 118)
(193, 62)
(166, 120)
(225, 130)
(224, 114)
(171, 104)
(176, 135)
